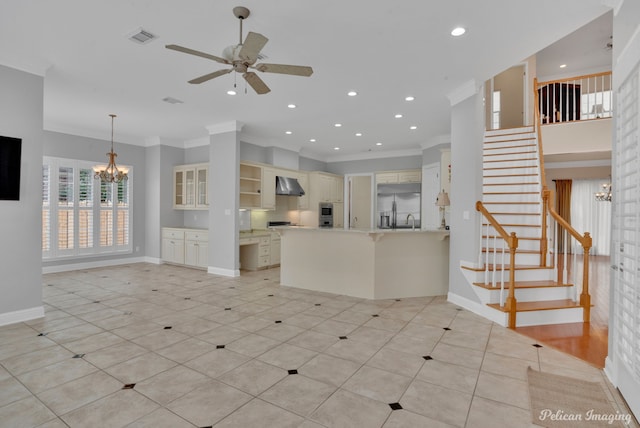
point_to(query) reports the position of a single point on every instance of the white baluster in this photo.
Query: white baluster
(486, 258)
(480, 246)
(574, 267)
(565, 241)
(502, 276)
(555, 250)
(495, 262)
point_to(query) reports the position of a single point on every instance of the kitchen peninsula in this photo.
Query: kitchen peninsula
(371, 264)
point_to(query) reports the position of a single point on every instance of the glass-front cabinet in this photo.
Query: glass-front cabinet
(190, 187)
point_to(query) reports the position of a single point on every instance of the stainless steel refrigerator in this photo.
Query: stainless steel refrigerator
(398, 205)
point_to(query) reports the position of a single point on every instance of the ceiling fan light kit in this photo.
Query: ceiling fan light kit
(242, 57)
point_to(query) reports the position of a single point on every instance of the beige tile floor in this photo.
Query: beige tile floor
(163, 346)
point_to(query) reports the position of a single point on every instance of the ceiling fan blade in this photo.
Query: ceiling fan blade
(210, 76)
(196, 53)
(256, 83)
(296, 70)
(252, 46)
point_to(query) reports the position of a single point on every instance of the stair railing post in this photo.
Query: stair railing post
(511, 299)
(543, 238)
(585, 297)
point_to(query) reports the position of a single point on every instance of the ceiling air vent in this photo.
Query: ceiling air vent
(141, 36)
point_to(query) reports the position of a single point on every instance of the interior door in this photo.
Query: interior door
(360, 202)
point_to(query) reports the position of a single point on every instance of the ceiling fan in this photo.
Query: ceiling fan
(243, 57)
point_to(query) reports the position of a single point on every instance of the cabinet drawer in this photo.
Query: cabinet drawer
(173, 233)
(196, 235)
(264, 261)
(264, 251)
(265, 240)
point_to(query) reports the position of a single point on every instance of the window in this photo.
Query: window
(81, 215)
(495, 113)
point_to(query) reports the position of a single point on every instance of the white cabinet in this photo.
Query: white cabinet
(255, 252)
(406, 176)
(190, 187)
(189, 247)
(250, 186)
(275, 249)
(196, 248)
(338, 215)
(303, 201)
(268, 188)
(173, 245)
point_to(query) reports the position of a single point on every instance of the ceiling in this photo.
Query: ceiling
(383, 50)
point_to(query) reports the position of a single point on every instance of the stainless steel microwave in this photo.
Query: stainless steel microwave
(325, 214)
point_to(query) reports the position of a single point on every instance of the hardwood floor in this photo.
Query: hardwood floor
(587, 341)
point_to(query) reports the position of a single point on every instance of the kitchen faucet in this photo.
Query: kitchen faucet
(413, 221)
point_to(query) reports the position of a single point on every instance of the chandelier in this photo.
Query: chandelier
(110, 173)
(604, 194)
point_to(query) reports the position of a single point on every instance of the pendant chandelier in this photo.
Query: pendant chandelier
(110, 173)
(605, 194)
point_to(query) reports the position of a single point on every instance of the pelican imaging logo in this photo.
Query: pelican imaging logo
(588, 416)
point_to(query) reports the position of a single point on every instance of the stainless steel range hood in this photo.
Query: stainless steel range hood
(288, 186)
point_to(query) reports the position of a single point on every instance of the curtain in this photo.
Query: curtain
(563, 208)
(589, 215)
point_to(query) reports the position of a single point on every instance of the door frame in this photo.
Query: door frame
(347, 197)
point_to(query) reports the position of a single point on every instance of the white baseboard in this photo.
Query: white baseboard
(223, 272)
(21, 315)
(97, 264)
(478, 308)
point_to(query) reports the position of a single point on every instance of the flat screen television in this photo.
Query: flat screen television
(10, 154)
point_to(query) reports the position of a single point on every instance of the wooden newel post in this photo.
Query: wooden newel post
(510, 304)
(543, 240)
(585, 297)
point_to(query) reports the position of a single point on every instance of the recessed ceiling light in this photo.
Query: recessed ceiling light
(231, 92)
(358, 134)
(313, 140)
(291, 106)
(336, 148)
(458, 31)
(288, 132)
(398, 116)
(338, 125)
(409, 98)
(352, 93)
(413, 127)
(563, 65)
(378, 144)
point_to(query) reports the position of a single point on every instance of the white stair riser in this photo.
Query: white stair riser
(526, 294)
(491, 150)
(514, 208)
(490, 169)
(511, 134)
(512, 188)
(519, 219)
(528, 259)
(510, 197)
(555, 316)
(521, 275)
(515, 155)
(523, 244)
(511, 179)
(521, 232)
(509, 163)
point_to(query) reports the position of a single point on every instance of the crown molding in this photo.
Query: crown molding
(221, 128)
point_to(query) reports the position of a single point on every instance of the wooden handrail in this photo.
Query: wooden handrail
(571, 79)
(503, 233)
(536, 124)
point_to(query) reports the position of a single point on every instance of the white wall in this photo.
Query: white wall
(577, 137)
(20, 221)
(467, 128)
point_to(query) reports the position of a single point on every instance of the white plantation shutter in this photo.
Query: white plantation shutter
(79, 213)
(625, 247)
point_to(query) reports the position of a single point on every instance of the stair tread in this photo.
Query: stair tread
(540, 305)
(515, 225)
(509, 147)
(510, 175)
(512, 213)
(520, 238)
(518, 251)
(509, 203)
(526, 152)
(510, 167)
(527, 284)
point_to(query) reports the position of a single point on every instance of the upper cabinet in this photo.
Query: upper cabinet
(268, 188)
(405, 176)
(326, 187)
(190, 187)
(250, 186)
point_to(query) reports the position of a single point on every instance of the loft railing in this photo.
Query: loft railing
(511, 242)
(576, 98)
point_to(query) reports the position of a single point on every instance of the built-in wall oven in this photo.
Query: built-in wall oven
(325, 214)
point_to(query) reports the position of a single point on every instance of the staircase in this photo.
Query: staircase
(512, 192)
